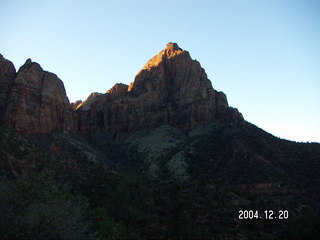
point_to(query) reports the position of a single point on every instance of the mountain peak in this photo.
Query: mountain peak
(171, 50)
(171, 89)
(28, 61)
(173, 47)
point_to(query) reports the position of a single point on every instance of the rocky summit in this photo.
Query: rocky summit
(36, 101)
(171, 89)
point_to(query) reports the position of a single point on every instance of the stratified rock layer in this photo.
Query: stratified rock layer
(171, 89)
(37, 102)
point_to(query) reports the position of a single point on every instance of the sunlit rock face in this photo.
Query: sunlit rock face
(170, 89)
(37, 102)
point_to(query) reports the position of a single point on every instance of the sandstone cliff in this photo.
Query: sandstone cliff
(171, 89)
(37, 102)
(7, 75)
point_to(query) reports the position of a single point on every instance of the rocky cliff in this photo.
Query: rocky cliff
(37, 102)
(170, 89)
(7, 75)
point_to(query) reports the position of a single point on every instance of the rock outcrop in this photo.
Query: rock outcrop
(171, 89)
(87, 104)
(7, 75)
(75, 104)
(37, 102)
(118, 89)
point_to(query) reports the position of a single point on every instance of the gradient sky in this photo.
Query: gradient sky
(265, 55)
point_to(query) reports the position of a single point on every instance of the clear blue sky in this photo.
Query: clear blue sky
(265, 55)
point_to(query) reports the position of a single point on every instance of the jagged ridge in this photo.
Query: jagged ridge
(170, 89)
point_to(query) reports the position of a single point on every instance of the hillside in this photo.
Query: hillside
(163, 158)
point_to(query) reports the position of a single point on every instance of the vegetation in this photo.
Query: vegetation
(304, 226)
(59, 186)
(38, 208)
